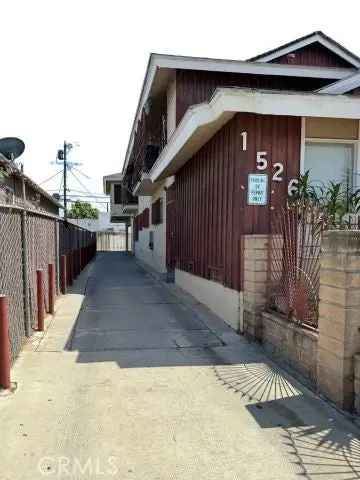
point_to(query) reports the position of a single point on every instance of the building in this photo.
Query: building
(123, 205)
(217, 145)
(16, 188)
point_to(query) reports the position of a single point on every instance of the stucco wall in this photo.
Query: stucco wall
(156, 258)
(223, 301)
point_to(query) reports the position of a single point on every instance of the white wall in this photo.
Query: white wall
(156, 258)
(223, 301)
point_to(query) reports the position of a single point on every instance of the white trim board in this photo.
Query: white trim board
(342, 86)
(316, 37)
(202, 121)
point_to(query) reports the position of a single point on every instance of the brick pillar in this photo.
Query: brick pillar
(255, 281)
(357, 383)
(339, 318)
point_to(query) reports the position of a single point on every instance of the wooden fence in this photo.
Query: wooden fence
(112, 241)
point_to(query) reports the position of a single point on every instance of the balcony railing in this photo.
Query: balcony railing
(150, 139)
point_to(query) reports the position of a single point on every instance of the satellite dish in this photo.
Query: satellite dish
(12, 147)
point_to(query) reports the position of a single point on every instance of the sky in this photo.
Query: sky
(73, 69)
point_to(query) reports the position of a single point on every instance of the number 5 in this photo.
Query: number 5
(261, 161)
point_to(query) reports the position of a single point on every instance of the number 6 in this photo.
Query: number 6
(293, 186)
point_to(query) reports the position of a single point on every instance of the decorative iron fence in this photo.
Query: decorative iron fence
(294, 262)
(30, 241)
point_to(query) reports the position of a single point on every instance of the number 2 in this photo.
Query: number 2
(279, 168)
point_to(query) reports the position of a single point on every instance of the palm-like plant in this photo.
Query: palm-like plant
(333, 200)
(304, 191)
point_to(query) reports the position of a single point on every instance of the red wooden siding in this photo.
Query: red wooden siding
(145, 218)
(209, 205)
(142, 219)
(156, 212)
(194, 87)
(315, 55)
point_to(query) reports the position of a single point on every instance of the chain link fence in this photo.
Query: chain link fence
(11, 275)
(30, 241)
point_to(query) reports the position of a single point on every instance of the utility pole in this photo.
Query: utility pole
(65, 179)
(62, 158)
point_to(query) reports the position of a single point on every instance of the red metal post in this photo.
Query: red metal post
(40, 299)
(69, 269)
(63, 274)
(4, 343)
(51, 277)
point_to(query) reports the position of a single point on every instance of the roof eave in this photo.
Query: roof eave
(226, 102)
(18, 173)
(158, 61)
(319, 37)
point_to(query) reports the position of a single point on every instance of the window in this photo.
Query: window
(117, 193)
(330, 162)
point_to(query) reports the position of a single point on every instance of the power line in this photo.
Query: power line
(85, 196)
(81, 191)
(61, 183)
(82, 185)
(79, 181)
(50, 178)
(82, 173)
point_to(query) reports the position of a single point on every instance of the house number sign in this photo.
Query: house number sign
(262, 164)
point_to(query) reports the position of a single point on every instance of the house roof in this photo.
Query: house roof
(160, 66)
(315, 37)
(114, 177)
(12, 169)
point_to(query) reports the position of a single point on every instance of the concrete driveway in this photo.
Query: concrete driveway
(136, 380)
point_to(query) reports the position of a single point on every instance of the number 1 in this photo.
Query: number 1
(244, 141)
